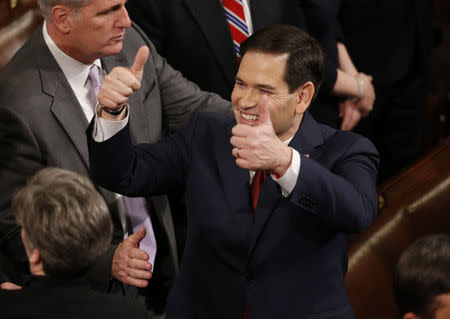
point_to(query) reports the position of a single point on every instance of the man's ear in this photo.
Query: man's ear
(35, 257)
(304, 95)
(62, 18)
(410, 315)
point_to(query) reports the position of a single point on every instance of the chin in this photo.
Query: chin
(113, 49)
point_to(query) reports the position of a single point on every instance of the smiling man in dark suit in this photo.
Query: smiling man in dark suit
(278, 249)
(47, 101)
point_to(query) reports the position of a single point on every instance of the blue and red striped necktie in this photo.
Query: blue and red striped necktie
(234, 12)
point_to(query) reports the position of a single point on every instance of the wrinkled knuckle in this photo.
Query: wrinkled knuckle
(122, 100)
(129, 91)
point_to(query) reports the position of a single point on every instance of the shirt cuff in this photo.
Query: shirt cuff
(288, 181)
(104, 129)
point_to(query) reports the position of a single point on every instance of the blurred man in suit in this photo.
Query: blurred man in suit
(422, 279)
(66, 226)
(277, 248)
(201, 39)
(391, 40)
(47, 98)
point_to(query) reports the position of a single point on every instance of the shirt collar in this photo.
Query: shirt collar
(286, 142)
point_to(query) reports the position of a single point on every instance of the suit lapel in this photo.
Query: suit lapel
(217, 34)
(269, 197)
(65, 106)
(235, 179)
(305, 141)
(308, 137)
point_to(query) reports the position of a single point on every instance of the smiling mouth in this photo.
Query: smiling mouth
(249, 117)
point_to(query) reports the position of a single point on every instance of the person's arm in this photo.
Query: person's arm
(20, 158)
(142, 169)
(356, 87)
(344, 61)
(345, 195)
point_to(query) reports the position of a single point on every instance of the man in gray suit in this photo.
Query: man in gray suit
(46, 105)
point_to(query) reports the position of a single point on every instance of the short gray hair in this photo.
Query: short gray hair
(64, 218)
(47, 5)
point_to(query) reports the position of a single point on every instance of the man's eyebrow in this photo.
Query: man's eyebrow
(259, 85)
(110, 9)
(266, 87)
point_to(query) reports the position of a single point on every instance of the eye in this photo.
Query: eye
(110, 10)
(264, 91)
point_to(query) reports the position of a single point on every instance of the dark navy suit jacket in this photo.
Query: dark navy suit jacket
(286, 260)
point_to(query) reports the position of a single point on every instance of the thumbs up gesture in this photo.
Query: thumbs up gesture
(258, 147)
(121, 82)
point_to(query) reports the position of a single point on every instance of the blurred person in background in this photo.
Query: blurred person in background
(422, 279)
(391, 41)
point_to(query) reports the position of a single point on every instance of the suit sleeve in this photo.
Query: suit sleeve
(20, 158)
(142, 169)
(344, 196)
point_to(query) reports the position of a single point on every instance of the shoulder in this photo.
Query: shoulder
(20, 80)
(135, 38)
(24, 58)
(340, 145)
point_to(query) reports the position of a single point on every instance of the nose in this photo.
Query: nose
(124, 20)
(248, 98)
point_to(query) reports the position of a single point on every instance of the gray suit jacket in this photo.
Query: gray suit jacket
(42, 124)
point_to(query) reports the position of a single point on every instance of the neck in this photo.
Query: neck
(37, 269)
(293, 129)
(62, 42)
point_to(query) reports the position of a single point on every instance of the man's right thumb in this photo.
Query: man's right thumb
(136, 238)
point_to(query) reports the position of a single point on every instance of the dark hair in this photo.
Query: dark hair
(421, 274)
(305, 55)
(65, 219)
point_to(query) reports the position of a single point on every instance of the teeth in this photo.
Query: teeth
(249, 117)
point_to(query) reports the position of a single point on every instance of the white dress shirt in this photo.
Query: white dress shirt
(248, 16)
(76, 74)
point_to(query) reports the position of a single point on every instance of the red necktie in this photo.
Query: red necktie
(257, 182)
(234, 11)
